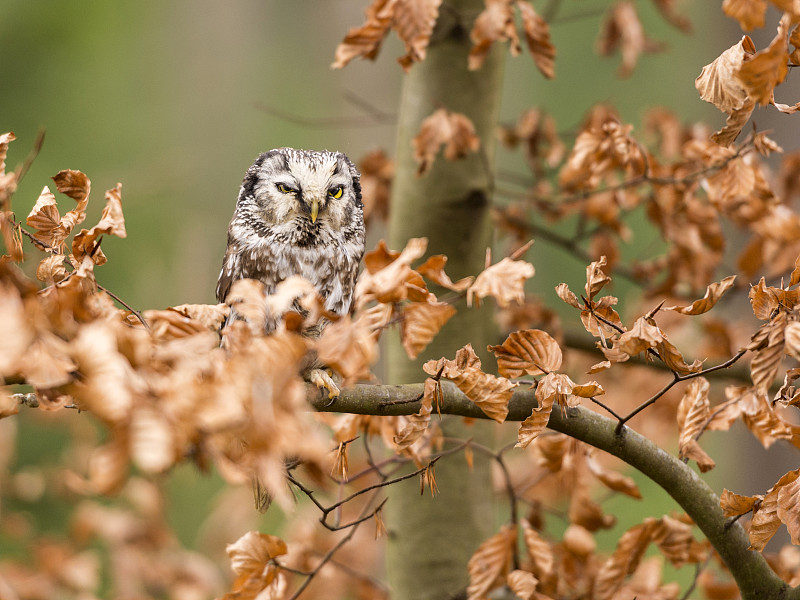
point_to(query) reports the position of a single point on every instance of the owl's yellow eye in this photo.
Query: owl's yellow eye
(285, 188)
(335, 192)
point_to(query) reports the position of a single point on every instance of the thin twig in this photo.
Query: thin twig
(133, 311)
(678, 378)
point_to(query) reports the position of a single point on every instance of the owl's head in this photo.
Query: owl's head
(284, 185)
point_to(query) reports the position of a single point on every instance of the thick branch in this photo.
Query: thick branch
(755, 578)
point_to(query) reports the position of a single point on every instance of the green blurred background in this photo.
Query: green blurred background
(176, 98)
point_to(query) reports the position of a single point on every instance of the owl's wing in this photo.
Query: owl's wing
(230, 272)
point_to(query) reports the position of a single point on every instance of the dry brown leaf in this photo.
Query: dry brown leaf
(765, 522)
(551, 450)
(675, 541)
(108, 467)
(503, 281)
(596, 279)
(789, 508)
(788, 395)
(251, 559)
(734, 124)
(377, 173)
(382, 256)
(16, 330)
(567, 295)
(734, 505)
(761, 73)
(603, 149)
(490, 563)
(348, 347)
(693, 415)
(418, 423)
(768, 343)
(491, 394)
(588, 390)
(77, 186)
(765, 299)
(365, 41)
(579, 541)
(761, 419)
(8, 181)
(792, 339)
(623, 30)
(612, 479)
(673, 359)
(47, 362)
(8, 404)
(454, 131)
(211, 316)
(87, 242)
(5, 140)
(51, 269)
(389, 277)
(522, 584)
(528, 352)
(74, 184)
(539, 551)
(248, 298)
(433, 270)
(667, 10)
(537, 35)
(494, 23)
(718, 82)
(586, 512)
(713, 293)
(152, 440)
(749, 13)
(624, 560)
(644, 335)
(45, 219)
(609, 326)
(414, 21)
(553, 387)
(421, 322)
(169, 324)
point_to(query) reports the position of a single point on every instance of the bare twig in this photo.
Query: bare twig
(133, 311)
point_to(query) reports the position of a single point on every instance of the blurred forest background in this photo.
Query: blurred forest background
(175, 99)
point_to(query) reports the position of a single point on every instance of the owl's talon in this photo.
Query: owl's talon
(323, 380)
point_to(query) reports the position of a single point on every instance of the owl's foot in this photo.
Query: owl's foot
(323, 380)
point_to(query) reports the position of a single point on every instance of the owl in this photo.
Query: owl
(299, 212)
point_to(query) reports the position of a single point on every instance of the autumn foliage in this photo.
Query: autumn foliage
(168, 387)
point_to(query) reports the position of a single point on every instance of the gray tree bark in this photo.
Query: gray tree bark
(432, 539)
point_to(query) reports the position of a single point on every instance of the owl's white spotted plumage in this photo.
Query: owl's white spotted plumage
(299, 212)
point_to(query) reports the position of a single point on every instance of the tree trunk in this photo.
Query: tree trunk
(431, 539)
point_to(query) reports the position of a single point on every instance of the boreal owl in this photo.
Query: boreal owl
(299, 212)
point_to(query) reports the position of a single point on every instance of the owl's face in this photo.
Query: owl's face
(285, 186)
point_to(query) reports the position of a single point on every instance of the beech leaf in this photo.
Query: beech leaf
(454, 131)
(365, 41)
(503, 281)
(490, 563)
(734, 505)
(489, 393)
(528, 352)
(537, 35)
(713, 293)
(421, 322)
(414, 22)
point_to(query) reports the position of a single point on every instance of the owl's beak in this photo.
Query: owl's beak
(314, 210)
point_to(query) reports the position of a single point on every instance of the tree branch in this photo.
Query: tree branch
(755, 578)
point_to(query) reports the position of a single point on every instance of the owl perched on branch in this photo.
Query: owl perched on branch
(299, 212)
